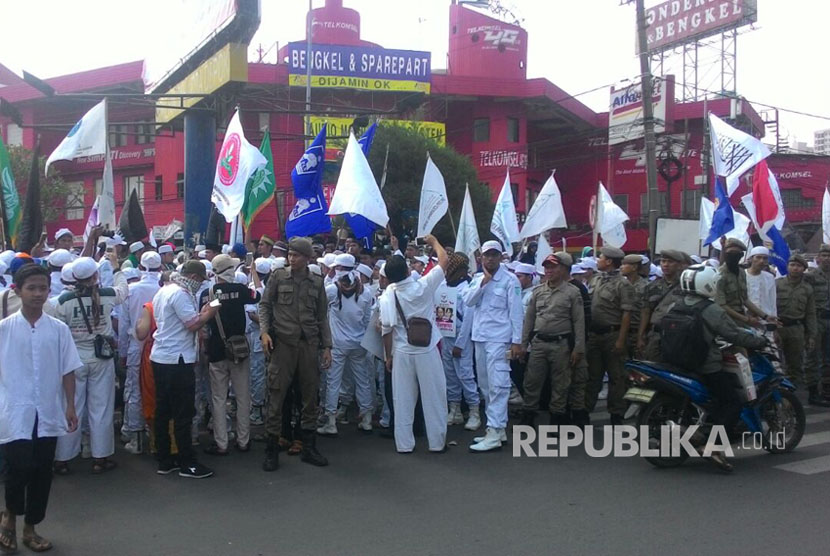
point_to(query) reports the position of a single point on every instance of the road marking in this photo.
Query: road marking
(818, 418)
(813, 439)
(807, 466)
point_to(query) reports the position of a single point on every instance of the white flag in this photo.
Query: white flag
(237, 162)
(106, 207)
(543, 249)
(86, 138)
(434, 203)
(505, 223)
(357, 191)
(546, 212)
(467, 241)
(610, 220)
(740, 231)
(93, 219)
(733, 151)
(825, 217)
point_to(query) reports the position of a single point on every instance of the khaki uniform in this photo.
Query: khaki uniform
(639, 296)
(294, 310)
(554, 317)
(731, 290)
(797, 313)
(818, 360)
(659, 296)
(612, 296)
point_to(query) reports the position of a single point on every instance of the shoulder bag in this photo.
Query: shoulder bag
(418, 330)
(104, 345)
(236, 347)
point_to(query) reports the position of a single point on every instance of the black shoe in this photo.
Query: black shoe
(580, 417)
(528, 418)
(272, 455)
(196, 471)
(167, 467)
(310, 453)
(616, 419)
(214, 450)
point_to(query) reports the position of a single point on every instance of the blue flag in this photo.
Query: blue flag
(309, 215)
(723, 220)
(362, 227)
(780, 252)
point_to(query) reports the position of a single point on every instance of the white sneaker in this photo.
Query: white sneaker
(455, 417)
(603, 394)
(502, 436)
(366, 422)
(133, 446)
(342, 415)
(330, 428)
(490, 442)
(473, 420)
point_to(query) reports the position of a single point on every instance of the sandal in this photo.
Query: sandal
(245, 448)
(284, 443)
(36, 543)
(8, 536)
(214, 450)
(295, 448)
(101, 466)
(60, 468)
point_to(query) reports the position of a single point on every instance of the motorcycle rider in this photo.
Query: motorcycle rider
(699, 282)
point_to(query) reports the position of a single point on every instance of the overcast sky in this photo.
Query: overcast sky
(577, 44)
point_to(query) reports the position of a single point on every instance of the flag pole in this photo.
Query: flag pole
(596, 220)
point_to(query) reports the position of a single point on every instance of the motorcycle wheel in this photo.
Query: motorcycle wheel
(659, 412)
(783, 422)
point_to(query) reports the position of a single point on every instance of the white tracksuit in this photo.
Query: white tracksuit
(459, 370)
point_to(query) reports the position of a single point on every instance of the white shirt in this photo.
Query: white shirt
(417, 299)
(348, 317)
(463, 318)
(761, 291)
(498, 312)
(33, 361)
(55, 286)
(141, 293)
(174, 308)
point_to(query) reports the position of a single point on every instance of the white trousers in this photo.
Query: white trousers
(411, 374)
(222, 374)
(95, 400)
(460, 376)
(493, 369)
(350, 361)
(133, 415)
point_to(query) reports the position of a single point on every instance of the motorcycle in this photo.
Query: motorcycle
(667, 396)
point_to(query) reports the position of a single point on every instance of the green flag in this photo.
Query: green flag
(261, 186)
(11, 201)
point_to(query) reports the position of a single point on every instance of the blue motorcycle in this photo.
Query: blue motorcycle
(660, 396)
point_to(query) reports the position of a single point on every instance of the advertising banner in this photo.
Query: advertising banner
(625, 113)
(339, 127)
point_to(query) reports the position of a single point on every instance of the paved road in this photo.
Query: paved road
(371, 500)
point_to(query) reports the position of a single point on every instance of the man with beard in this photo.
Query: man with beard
(731, 291)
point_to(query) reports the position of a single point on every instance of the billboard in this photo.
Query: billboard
(625, 113)
(339, 127)
(360, 67)
(676, 22)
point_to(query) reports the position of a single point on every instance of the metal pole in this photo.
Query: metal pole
(648, 127)
(308, 75)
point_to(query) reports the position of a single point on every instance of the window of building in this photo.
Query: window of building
(14, 135)
(481, 130)
(144, 133)
(621, 201)
(159, 193)
(691, 203)
(75, 200)
(180, 186)
(134, 183)
(664, 209)
(513, 130)
(118, 135)
(793, 199)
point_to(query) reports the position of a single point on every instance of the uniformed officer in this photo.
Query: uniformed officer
(294, 308)
(818, 360)
(631, 269)
(496, 297)
(658, 298)
(731, 293)
(797, 314)
(579, 372)
(611, 305)
(554, 317)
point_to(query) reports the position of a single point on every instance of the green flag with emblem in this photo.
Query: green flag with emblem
(11, 200)
(261, 186)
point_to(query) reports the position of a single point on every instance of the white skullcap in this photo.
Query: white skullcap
(277, 263)
(199, 247)
(202, 254)
(511, 266)
(589, 263)
(344, 260)
(226, 249)
(421, 259)
(379, 263)
(241, 278)
(577, 269)
(59, 257)
(165, 249)
(364, 270)
(151, 260)
(66, 274)
(62, 232)
(263, 265)
(646, 260)
(328, 259)
(653, 269)
(84, 268)
(136, 246)
(132, 274)
(524, 268)
(759, 250)
(315, 269)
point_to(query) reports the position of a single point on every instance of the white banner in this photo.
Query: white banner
(610, 220)
(357, 191)
(546, 212)
(86, 138)
(106, 207)
(467, 240)
(733, 151)
(434, 203)
(825, 217)
(543, 249)
(505, 223)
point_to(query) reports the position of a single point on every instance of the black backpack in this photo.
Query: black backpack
(682, 341)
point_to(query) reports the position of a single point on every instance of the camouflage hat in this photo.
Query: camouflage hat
(798, 258)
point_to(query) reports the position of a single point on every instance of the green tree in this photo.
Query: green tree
(53, 190)
(405, 172)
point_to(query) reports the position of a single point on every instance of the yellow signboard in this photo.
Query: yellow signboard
(339, 127)
(364, 83)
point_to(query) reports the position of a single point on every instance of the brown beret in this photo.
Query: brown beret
(612, 252)
(797, 258)
(673, 255)
(633, 259)
(301, 245)
(734, 242)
